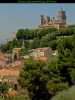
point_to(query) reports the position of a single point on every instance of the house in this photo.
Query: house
(10, 73)
(16, 54)
(3, 59)
(41, 53)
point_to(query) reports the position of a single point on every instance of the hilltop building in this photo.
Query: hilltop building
(58, 23)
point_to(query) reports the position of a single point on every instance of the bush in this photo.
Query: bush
(55, 87)
(66, 95)
(3, 88)
(72, 73)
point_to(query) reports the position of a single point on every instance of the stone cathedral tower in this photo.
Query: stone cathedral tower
(58, 22)
(62, 16)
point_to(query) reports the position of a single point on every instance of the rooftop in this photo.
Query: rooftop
(42, 49)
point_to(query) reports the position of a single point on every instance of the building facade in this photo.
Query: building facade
(41, 53)
(58, 23)
(16, 54)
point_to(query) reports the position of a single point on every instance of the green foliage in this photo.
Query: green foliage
(63, 43)
(41, 38)
(46, 78)
(44, 42)
(39, 77)
(3, 88)
(35, 43)
(72, 73)
(66, 50)
(1, 98)
(34, 35)
(10, 45)
(53, 44)
(23, 52)
(53, 63)
(66, 95)
(28, 34)
(20, 34)
(31, 69)
(34, 78)
(55, 87)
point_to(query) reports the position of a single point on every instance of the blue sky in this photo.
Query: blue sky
(15, 16)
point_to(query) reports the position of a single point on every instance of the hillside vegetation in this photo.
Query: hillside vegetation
(66, 95)
(43, 80)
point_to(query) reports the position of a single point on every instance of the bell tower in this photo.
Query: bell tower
(62, 16)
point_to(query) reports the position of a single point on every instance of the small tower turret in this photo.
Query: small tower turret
(62, 16)
(42, 19)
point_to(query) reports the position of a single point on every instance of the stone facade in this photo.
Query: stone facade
(41, 53)
(58, 23)
(16, 54)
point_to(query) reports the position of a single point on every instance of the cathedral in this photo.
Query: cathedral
(59, 22)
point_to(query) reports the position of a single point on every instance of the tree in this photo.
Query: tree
(72, 73)
(66, 49)
(35, 43)
(20, 34)
(44, 42)
(34, 78)
(66, 95)
(3, 88)
(37, 76)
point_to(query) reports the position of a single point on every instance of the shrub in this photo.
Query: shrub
(66, 95)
